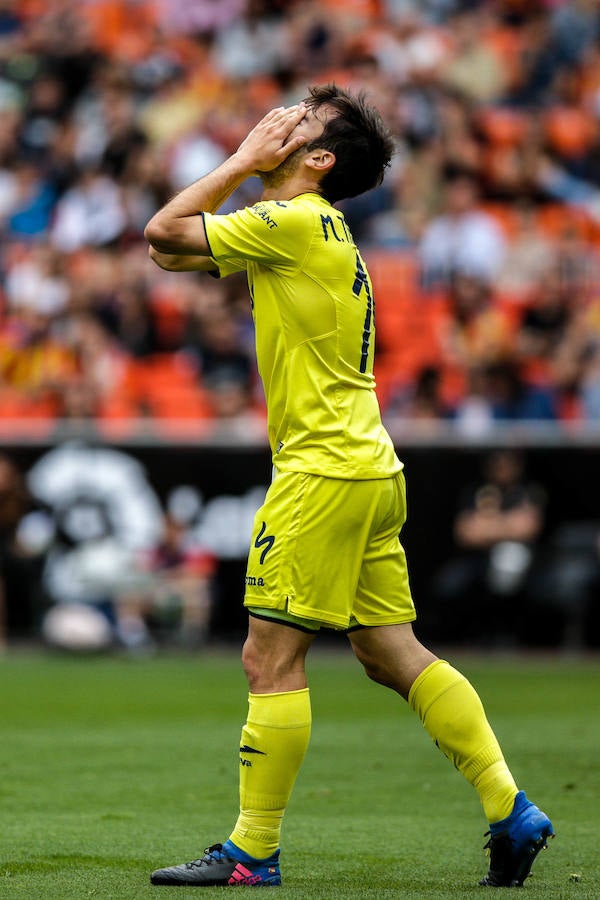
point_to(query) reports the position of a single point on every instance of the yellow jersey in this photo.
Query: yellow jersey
(313, 310)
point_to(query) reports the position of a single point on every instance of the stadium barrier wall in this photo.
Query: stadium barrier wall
(232, 477)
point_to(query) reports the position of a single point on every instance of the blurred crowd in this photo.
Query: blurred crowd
(483, 242)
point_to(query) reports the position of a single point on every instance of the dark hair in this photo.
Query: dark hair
(362, 144)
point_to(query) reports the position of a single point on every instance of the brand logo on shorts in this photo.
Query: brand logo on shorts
(266, 542)
(255, 582)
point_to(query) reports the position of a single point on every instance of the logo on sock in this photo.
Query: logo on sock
(247, 749)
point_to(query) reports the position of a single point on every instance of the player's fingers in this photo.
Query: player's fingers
(272, 116)
(285, 114)
(293, 144)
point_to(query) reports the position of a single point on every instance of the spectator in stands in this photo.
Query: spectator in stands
(463, 239)
(476, 331)
(102, 360)
(202, 16)
(529, 255)
(38, 281)
(32, 201)
(33, 360)
(43, 116)
(545, 318)
(213, 342)
(513, 399)
(252, 44)
(96, 132)
(474, 68)
(497, 526)
(421, 401)
(133, 323)
(91, 212)
(498, 392)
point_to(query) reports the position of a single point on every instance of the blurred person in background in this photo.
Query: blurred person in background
(475, 330)
(463, 239)
(529, 256)
(545, 318)
(37, 279)
(474, 68)
(497, 528)
(422, 401)
(213, 342)
(513, 399)
(172, 600)
(17, 598)
(91, 212)
(35, 360)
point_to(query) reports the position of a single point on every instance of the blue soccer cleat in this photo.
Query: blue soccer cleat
(515, 842)
(222, 865)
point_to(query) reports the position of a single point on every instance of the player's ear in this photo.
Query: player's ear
(320, 160)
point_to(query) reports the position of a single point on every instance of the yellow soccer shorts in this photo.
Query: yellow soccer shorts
(326, 552)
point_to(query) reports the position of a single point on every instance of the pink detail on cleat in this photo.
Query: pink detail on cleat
(242, 875)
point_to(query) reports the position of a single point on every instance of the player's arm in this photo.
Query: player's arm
(178, 228)
(173, 262)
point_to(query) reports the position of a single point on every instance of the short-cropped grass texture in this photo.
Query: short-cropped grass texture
(113, 767)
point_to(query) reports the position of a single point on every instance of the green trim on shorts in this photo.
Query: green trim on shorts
(288, 618)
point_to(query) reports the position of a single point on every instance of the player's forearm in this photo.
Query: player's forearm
(209, 193)
(177, 227)
(174, 262)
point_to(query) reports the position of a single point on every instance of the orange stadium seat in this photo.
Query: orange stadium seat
(504, 215)
(12, 404)
(569, 130)
(501, 126)
(168, 317)
(179, 402)
(118, 406)
(143, 377)
(557, 220)
(16, 405)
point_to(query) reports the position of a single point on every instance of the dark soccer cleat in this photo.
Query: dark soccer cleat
(515, 842)
(219, 867)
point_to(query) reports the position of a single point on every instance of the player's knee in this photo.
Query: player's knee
(252, 662)
(271, 668)
(375, 670)
(263, 668)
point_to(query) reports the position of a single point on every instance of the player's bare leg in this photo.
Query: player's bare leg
(452, 713)
(274, 657)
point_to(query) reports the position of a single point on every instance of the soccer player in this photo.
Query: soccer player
(325, 549)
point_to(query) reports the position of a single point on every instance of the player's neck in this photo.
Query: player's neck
(289, 188)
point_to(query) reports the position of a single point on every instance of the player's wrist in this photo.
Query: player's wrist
(243, 164)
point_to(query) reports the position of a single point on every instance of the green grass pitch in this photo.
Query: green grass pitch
(112, 767)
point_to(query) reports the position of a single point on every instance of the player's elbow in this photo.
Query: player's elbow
(163, 260)
(157, 234)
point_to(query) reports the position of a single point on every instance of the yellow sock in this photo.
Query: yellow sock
(452, 713)
(274, 741)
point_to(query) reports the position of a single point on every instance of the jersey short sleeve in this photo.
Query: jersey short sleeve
(271, 233)
(225, 267)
